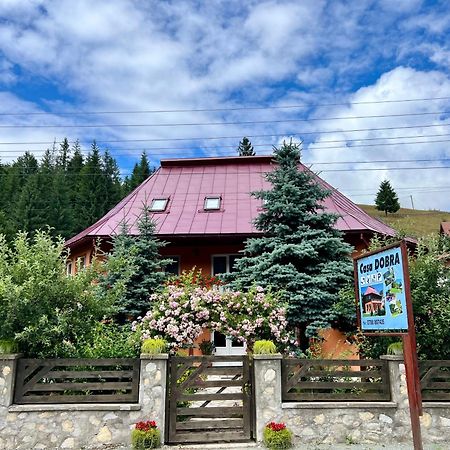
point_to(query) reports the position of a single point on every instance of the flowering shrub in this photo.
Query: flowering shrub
(182, 311)
(145, 435)
(145, 426)
(276, 426)
(277, 436)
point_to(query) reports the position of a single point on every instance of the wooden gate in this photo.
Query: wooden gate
(209, 399)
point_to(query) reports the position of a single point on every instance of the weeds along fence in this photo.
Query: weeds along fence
(44, 381)
(335, 380)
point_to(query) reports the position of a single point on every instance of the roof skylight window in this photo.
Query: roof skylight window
(212, 203)
(159, 204)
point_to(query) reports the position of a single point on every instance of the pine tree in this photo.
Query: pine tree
(301, 254)
(386, 199)
(246, 148)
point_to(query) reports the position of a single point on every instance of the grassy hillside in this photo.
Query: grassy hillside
(414, 222)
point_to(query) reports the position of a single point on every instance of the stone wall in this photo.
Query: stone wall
(346, 422)
(77, 426)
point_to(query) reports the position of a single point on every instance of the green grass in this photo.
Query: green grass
(414, 222)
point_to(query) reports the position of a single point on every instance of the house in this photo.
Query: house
(372, 301)
(445, 228)
(204, 210)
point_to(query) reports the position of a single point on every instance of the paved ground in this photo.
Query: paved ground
(302, 447)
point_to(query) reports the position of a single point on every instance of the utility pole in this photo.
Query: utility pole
(412, 201)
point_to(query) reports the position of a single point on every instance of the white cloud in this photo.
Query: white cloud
(400, 83)
(130, 55)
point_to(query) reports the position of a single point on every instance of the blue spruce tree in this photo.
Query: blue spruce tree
(301, 254)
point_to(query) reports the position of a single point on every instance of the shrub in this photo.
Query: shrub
(182, 312)
(154, 346)
(264, 347)
(277, 436)
(110, 340)
(396, 348)
(45, 311)
(145, 435)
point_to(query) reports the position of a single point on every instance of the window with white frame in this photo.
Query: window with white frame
(159, 204)
(223, 263)
(69, 267)
(212, 203)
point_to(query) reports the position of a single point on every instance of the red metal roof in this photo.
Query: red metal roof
(371, 290)
(186, 182)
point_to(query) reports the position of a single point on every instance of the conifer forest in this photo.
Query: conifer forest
(66, 190)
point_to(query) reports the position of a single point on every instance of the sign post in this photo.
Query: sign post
(384, 308)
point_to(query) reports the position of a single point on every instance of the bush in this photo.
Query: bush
(181, 312)
(145, 435)
(277, 436)
(264, 347)
(110, 340)
(154, 346)
(48, 313)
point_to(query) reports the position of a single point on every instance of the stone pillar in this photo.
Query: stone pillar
(397, 380)
(7, 377)
(267, 391)
(152, 389)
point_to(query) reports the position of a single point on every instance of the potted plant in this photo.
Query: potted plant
(396, 348)
(207, 347)
(277, 436)
(145, 435)
(264, 347)
(153, 346)
(8, 346)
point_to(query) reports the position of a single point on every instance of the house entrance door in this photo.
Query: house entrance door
(227, 346)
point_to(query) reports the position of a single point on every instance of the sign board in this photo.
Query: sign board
(381, 291)
(384, 307)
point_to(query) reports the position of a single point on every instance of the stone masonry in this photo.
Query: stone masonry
(79, 426)
(346, 422)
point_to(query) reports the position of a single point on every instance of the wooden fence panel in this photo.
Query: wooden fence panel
(335, 380)
(435, 380)
(44, 381)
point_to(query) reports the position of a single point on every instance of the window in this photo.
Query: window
(212, 203)
(69, 266)
(81, 262)
(223, 263)
(159, 204)
(174, 267)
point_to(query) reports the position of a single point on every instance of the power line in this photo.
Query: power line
(249, 122)
(148, 150)
(260, 172)
(235, 108)
(286, 134)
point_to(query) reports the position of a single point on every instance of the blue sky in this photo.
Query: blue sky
(357, 58)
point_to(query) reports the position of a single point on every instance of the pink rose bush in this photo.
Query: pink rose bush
(183, 310)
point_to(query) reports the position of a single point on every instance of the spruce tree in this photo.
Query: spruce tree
(141, 171)
(246, 148)
(301, 254)
(91, 196)
(136, 263)
(386, 199)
